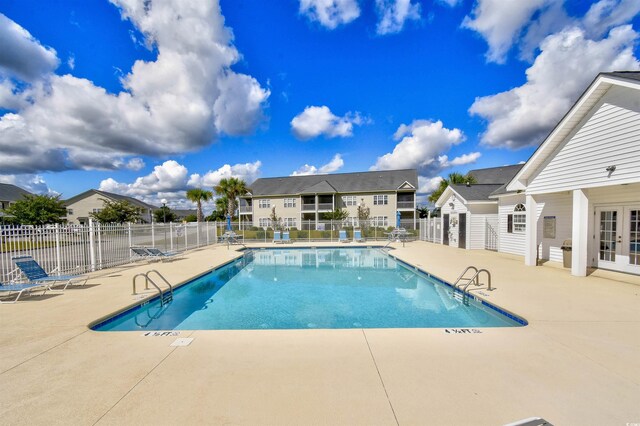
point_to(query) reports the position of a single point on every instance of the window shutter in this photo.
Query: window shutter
(510, 224)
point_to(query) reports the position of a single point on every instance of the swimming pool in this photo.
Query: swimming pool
(312, 288)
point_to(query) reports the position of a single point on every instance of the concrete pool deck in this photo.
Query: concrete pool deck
(577, 362)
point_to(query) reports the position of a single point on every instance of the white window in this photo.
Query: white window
(382, 221)
(289, 202)
(349, 200)
(69, 211)
(289, 222)
(380, 200)
(519, 218)
(97, 210)
(264, 221)
(264, 203)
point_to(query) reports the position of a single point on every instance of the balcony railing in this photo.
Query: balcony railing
(325, 206)
(246, 209)
(308, 207)
(405, 204)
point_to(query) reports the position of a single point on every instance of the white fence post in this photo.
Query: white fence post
(153, 234)
(130, 239)
(58, 254)
(207, 228)
(99, 245)
(197, 234)
(92, 246)
(171, 234)
(186, 239)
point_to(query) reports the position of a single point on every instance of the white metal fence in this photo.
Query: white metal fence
(431, 229)
(323, 230)
(86, 248)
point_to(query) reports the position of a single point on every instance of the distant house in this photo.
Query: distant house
(301, 201)
(9, 194)
(181, 214)
(582, 184)
(469, 213)
(80, 207)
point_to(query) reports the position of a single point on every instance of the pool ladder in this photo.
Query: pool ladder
(166, 296)
(474, 279)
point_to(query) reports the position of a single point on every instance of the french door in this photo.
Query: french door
(618, 238)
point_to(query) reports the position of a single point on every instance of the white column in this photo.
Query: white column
(531, 236)
(580, 233)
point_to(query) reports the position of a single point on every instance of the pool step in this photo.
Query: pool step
(167, 297)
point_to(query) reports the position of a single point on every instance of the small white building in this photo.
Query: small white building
(469, 213)
(582, 184)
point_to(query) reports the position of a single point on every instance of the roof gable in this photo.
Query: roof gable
(571, 120)
(323, 187)
(9, 192)
(111, 196)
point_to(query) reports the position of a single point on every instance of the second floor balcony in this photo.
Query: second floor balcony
(408, 204)
(246, 210)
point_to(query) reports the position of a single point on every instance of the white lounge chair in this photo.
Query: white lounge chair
(342, 236)
(357, 236)
(21, 288)
(35, 274)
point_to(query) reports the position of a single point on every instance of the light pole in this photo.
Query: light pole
(164, 221)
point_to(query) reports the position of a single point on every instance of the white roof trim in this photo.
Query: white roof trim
(446, 194)
(406, 183)
(573, 118)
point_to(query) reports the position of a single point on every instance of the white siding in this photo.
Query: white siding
(509, 242)
(458, 207)
(609, 136)
(561, 206)
(476, 238)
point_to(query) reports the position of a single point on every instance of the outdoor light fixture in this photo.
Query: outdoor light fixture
(611, 169)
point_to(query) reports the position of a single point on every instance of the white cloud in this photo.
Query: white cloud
(501, 23)
(178, 103)
(470, 158)
(334, 165)
(450, 3)
(421, 145)
(607, 14)
(170, 180)
(247, 172)
(427, 185)
(32, 183)
(330, 13)
(392, 15)
(22, 55)
(71, 62)
(319, 120)
(567, 63)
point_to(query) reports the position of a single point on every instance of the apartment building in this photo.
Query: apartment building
(80, 207)
(302, 201)
(9, 194)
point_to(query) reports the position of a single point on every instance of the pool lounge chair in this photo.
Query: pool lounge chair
(143, 253)
(163, 255)
(342, 236)
(285, 237)
(35, 274)
(276, 237)
(20, 288)
(357, 236)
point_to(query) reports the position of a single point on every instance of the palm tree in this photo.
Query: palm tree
(232, 188)
(453, 179)
(198, 195)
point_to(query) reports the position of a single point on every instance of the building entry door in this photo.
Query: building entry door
(462, 230)
(445, 229)
(618, 238)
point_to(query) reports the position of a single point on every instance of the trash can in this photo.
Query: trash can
(566, 253)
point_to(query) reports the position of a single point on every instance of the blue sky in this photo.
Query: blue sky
(150, 98)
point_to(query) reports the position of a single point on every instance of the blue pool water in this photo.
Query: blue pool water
(311, 288)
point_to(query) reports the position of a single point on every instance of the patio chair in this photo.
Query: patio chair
(342, 236)
(20, 288)
(276, 237)
(285, 238)
(162, 255)
(143, 253)
(35, 274)
(357, 236)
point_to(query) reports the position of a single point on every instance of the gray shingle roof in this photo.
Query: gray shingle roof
(496, 175)
(111, 196)
(323, 187)
(10, 192)
(476, 192)
(631, 75)
(388, 180)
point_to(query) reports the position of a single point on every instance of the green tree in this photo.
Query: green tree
(37, 210)
(191, 218)
(452, 179)
(164, 214)
(276, 221)
(337, 214)
(423, 212)
(117, 212)
(231, 188)
(363, 214)
(198, 195)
